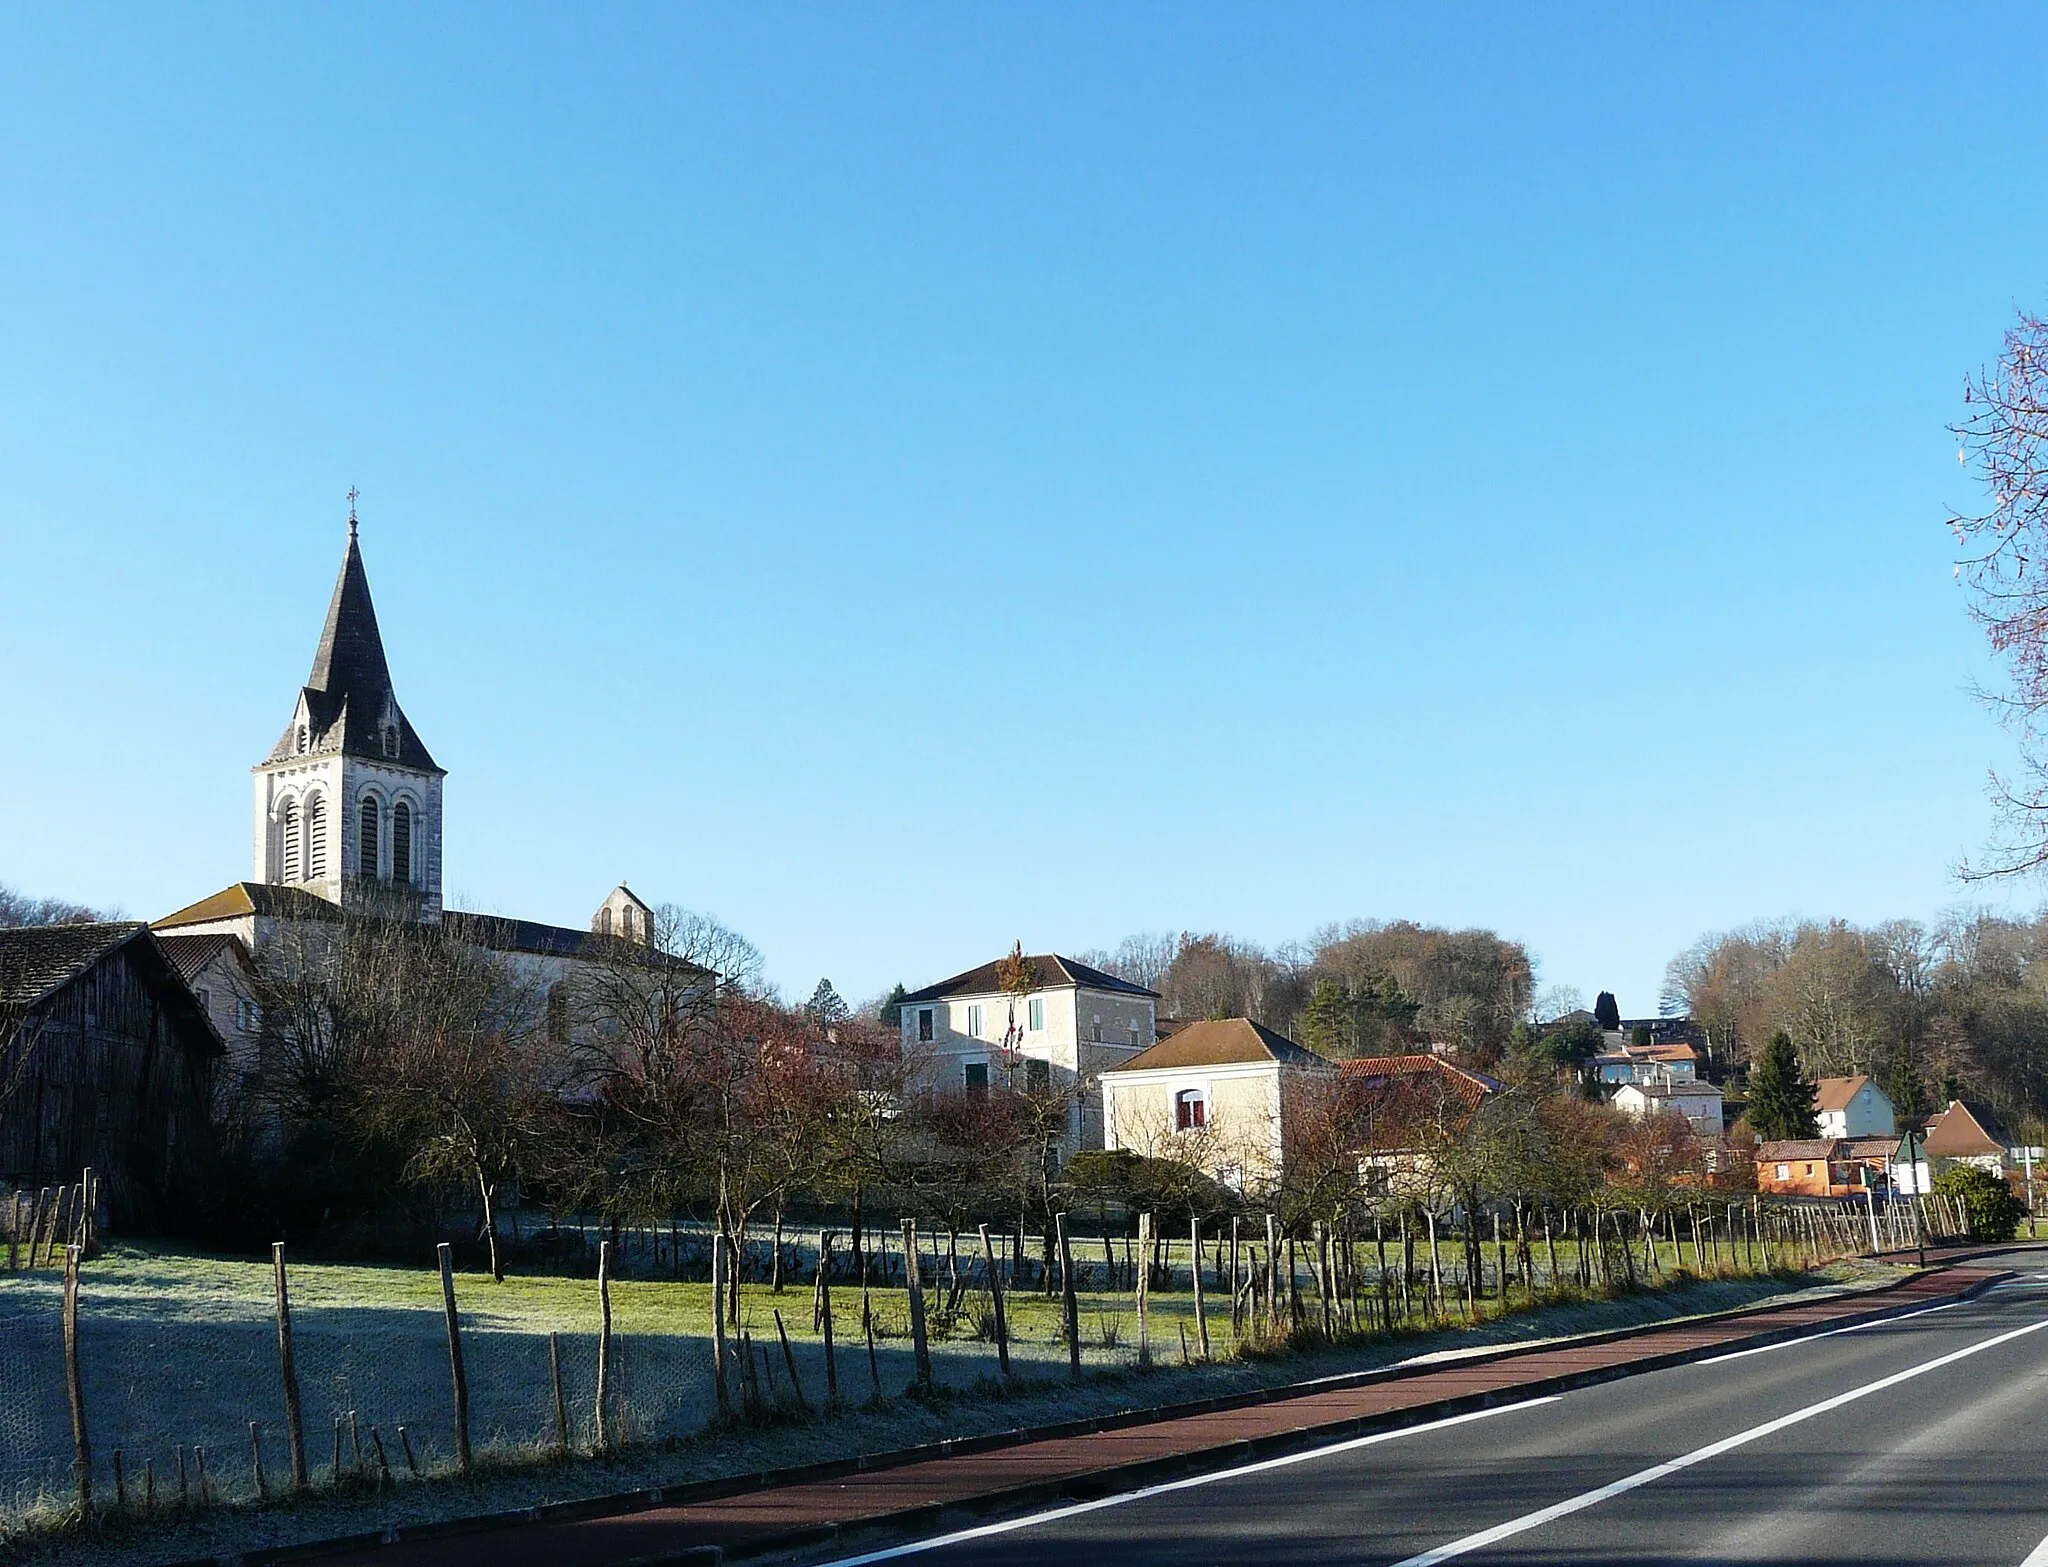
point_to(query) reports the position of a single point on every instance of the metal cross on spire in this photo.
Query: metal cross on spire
(353, 492)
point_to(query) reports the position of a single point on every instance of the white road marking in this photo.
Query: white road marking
(1074, 1510)
(1809, 1338)
(2038, 1556)
(1642, 1477)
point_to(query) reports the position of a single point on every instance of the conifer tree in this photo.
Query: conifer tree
(1607, 1011)
(1780, 1099)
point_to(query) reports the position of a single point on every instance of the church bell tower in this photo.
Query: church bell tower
(348, 803)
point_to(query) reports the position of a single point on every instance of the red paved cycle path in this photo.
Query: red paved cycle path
(1102, 1461)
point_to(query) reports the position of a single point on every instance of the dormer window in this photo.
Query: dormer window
(302, 738)
(391, 740)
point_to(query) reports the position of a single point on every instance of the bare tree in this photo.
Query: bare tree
(2004, 442)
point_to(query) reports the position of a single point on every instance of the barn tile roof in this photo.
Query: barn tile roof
(1230, 1041)
(349, 689)
(1054, 973)
(37, 959)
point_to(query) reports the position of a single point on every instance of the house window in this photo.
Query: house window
(316, 837)
(1134, 1033)
(975, 1074)
(558, 1015)
(1034, 1013)
(247, 1014)
(1038, 1076)
(366, 838)
(288, 839)
(924, 1025)
(1190, 1110)
(974, 1021)
(1095, 1028)
(205, 1000)
(401, 842)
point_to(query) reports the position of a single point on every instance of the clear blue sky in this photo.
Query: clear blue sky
(909, 478)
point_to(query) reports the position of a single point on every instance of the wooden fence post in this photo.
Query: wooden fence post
(1070, 1304)
(718, 1345)
(604, 1342)
(913, 1278)
(561, 1403)
(288, 1373)
(995, 1295)
(1144, 1288)
(75, 1382)
(824, 1297)
(1201, 1308)
(456, 1374)
(796, 1385)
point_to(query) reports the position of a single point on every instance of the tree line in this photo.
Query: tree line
(1956, 1009)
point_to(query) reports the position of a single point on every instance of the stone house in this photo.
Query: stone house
(1213, 1095)
(1070, 1026)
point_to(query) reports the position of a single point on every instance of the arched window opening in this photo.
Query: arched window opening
(630, 922)
(366, 838)
(604, 921)
(288, 842)
(401, 843)
(1190, 1110)
(316, 838)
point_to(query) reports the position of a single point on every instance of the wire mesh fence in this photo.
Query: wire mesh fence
(181, 1384)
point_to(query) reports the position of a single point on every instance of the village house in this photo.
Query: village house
(1213, 1095)
(1825, 1166)
(1853, 1107)
(1699, 1103)
(106, 1062)
(1624, 1062)
(1967, 1133)
(1069, 1025)
(1401, 1106)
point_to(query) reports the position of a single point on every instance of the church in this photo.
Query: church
(348, 815)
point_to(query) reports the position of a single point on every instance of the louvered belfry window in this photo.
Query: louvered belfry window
(401, 842)
(288, 842)
(366, 838)
(316, 838)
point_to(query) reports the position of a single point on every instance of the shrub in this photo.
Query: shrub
(1993, 1211)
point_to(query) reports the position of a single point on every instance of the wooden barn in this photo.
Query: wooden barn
(106, 1061)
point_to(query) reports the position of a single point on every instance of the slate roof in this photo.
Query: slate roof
(499, 933)
(1054, 973)
(239, 900)
(1230, 1041)
(349, 689)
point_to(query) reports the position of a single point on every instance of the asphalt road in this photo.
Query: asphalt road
(1921, 1440)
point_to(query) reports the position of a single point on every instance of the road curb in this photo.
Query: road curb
(1117, 1478)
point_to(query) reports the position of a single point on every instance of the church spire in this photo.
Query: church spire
(348, 701)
